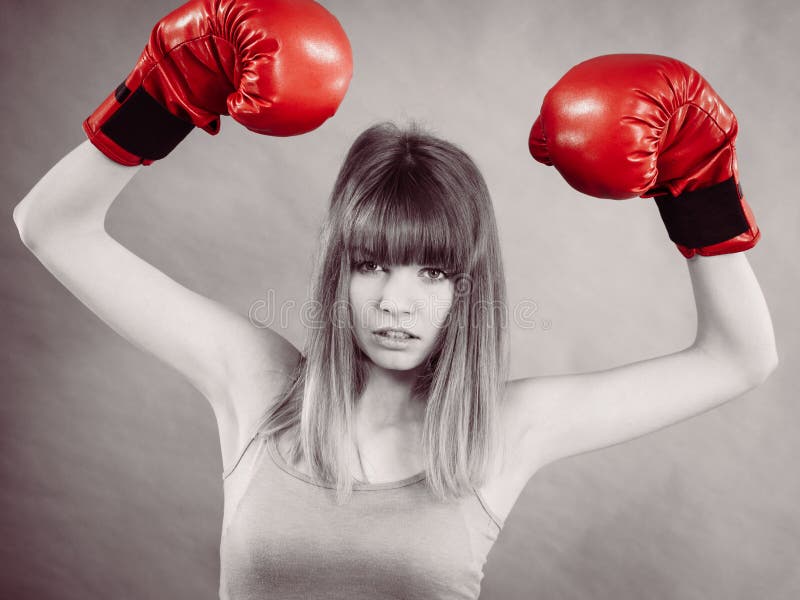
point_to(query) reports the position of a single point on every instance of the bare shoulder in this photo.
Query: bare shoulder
(514, 463)
(259, 365)
(252, 351)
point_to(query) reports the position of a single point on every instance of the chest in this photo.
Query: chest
(288, 534)
(394, 459)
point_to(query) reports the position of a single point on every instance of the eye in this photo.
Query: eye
(367, 266)
(436, 274)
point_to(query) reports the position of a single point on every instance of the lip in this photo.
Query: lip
(391, 343)
(397, 329)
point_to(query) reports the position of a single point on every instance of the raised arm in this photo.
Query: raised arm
(61, 221)
(626, 125)
(733, 352)
(201, 62)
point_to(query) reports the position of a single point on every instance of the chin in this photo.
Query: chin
(395, 363)
(393, 360)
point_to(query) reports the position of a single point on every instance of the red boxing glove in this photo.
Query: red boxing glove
(278, 67)
(626, 125)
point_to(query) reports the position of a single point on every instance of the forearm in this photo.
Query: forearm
(733, 321)
(74, 195)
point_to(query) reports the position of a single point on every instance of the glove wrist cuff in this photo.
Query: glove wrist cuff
(704, 217)
(138, 127)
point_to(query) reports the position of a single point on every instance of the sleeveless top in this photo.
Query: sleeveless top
(286, 539)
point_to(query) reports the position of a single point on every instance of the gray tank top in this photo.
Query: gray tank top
(288, 540)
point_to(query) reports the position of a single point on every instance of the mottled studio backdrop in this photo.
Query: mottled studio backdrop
(109, 462)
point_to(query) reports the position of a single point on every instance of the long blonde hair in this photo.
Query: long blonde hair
(405, 197)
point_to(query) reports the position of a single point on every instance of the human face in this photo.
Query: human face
(416, 298)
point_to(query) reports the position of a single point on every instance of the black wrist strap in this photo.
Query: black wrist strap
(704, 217)
(142, 126)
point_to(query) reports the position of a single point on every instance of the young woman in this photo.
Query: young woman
(382, 461)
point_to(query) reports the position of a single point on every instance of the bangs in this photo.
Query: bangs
(405, 222)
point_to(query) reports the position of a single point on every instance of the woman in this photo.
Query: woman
(376, 465)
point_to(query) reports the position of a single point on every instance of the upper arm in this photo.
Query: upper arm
(231, 362)
(565, 415)
(237, 366)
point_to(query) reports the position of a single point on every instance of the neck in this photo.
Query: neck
(388, 401)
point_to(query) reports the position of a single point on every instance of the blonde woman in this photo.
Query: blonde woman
(382, 460)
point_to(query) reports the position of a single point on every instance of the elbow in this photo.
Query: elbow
(25, 234)
(772, 364)
(18, 216)
(746, 369)
(761, 367)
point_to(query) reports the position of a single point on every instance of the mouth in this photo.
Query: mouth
(395, 333)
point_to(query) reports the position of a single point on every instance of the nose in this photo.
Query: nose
(397, 295)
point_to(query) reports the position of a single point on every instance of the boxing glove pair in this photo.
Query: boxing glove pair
(626, 125)
(278, 67)
(615, 126)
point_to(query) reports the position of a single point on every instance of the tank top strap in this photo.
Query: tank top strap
(252, 438)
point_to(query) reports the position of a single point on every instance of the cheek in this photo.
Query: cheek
(358, 298)
(439, 308)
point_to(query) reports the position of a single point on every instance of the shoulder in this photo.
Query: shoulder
(522, 403)
(254, 351)
(514, 460)
(259, 366)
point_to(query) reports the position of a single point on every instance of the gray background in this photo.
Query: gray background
(109, 461)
